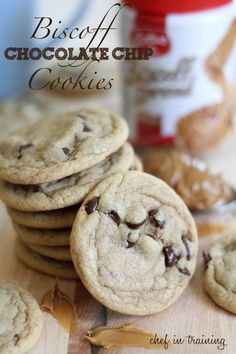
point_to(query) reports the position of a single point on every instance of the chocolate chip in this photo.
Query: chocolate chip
(86, 128)
(152, 212)
(185, 239)
(184, 271)
(135, 226)
(114, 216)
(16, 338)
(170, 256)
(25, 146)
(81, 116)
(206, 257)
(91, 205)
(152, 236)
(67, 151)
(130, 244)
(37, 189)
(178, 256)
(158, 223)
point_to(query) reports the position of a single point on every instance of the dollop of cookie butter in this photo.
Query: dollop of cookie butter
(125, 336)
(192, 179)
(60, 306)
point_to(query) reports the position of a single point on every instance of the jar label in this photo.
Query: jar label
(158, 41)
(183, 90)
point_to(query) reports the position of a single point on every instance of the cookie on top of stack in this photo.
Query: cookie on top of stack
(47, 169)
(134, 243)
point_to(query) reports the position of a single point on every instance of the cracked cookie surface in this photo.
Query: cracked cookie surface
(60, 146)
(67, 191)
(134, 244)
(220, 275)
(20, 319)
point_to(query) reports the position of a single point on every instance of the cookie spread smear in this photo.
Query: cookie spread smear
(191, 178)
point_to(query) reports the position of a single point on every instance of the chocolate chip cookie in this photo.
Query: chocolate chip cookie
(20, 319)
(52, 219)
(60, 146)
(43, 237)
(134, 244)
(61, 253)
(220, 275)
(67, 191)
(47, 265)
(137, 164)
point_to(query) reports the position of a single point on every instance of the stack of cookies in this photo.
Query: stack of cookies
(47, 169)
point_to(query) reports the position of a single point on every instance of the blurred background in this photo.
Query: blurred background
(17, 20)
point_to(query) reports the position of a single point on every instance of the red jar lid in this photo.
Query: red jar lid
(164, 7)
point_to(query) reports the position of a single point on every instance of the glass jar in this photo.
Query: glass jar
(183, 93)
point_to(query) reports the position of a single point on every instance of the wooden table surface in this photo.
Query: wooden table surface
(193, 314)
